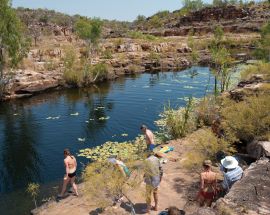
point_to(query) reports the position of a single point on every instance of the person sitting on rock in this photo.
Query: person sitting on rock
(208, 186)
(232, 172)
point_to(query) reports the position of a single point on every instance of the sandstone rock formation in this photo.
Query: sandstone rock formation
(251, 194)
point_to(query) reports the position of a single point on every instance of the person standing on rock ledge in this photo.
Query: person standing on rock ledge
(149, 138)
(208, 185)
(152, 178)
(70, 176)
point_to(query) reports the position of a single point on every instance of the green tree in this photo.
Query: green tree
(263, 47)
(193, 4)
(13, 45)
(155, 22)
(221, 59)
(90, 31)
(140, 19)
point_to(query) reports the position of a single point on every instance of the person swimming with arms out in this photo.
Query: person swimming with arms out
(70, 176)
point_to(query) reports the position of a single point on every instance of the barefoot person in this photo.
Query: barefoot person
(70, 176)
(149, 137)
(152, 178)
(208, 185)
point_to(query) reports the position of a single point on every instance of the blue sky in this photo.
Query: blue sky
(107, 9)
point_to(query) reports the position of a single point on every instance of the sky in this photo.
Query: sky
(124, 10)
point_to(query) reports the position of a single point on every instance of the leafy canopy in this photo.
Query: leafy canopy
(89, 30)
(12, 41)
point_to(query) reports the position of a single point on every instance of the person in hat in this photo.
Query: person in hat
(232, 172)
(208, 185)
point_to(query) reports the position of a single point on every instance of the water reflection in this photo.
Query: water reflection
(20, 161)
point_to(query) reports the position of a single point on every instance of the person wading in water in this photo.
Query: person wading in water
(70, 176)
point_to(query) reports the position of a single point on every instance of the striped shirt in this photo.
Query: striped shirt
(231, 176)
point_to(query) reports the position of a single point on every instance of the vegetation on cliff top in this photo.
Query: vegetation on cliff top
(13, 43)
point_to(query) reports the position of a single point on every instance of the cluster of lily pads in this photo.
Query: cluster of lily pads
(125, 150)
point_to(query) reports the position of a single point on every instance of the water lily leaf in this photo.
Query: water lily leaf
(74, 114)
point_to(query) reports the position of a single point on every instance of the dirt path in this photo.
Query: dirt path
(178, 188)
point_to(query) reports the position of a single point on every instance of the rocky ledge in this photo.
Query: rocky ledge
(251, 194)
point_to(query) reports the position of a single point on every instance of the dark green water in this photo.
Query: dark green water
(35, 131)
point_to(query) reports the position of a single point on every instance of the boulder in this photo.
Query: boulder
(250, 195)
(258, 149)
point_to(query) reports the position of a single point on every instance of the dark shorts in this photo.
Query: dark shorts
(151, 147)
(71, 175)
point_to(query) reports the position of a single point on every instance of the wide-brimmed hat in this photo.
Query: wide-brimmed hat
(207, 163)
(229, 162)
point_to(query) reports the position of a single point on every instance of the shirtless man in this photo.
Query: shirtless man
(70, 176)
(149, 138)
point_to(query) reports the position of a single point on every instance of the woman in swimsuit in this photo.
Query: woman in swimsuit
(70, 176)
(208, 187)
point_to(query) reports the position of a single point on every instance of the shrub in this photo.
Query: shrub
(260, 68)
(207, 111)
(204, 146)
(140, 35)
(155, 22)
(246, 120)
(107, 54)
(99, 71)
(72, 73)
(178, 123)
(154, 57)
(33, 190)
(104, 184)
(263, 46)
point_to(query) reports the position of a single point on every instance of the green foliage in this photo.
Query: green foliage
(44, 18)
(162, 14)
(155, 22)
(104, 183)
(140, 20)
(89, 30)
(260, 68)
(140, 35)
(203, 146)
(178, 123)
(207, 111)
(13, 44)
(193, 46)
(248, 119)
(263, 46)
(81, 72)
(124, 150)
(222, 59)
(99, 71)
(192, 5)
(154, 57)
(72, 74)
(33, 191)
(107, 54)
